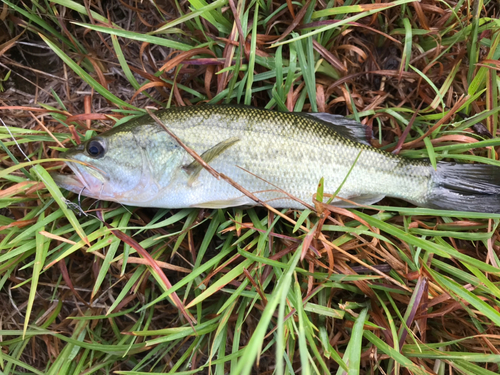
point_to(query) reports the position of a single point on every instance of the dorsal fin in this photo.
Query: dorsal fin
(195, 168)
(345, 127)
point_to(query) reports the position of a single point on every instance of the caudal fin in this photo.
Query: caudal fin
(466, 187)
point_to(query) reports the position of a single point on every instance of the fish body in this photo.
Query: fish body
(140, 164)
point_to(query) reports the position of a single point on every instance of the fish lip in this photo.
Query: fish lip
(78, 175)
(78, 181)
(69, 182)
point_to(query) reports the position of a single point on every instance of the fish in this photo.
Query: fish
(273, 155)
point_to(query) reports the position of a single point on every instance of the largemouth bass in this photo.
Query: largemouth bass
(140, 164)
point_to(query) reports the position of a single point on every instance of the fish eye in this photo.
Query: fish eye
(95, 148)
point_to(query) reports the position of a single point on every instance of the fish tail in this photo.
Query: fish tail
(466, 187)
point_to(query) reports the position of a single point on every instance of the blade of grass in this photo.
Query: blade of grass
(110, 254)
(202, 10)
(301, 334)
(394, 354)
(42, 246)
(51, 186)
(85, 76)
(306, 63)
(405, 58)
(123, 63)
(73, 5)
(228, 277)
(440, 249)
(39, 21)
(431, 84)
(245, 364)
(354, 346)
(251, 62)
(138, 36)
(343, 22)
(463, 294)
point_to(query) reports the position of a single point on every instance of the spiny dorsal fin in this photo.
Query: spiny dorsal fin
(345, 127)
(194, 169)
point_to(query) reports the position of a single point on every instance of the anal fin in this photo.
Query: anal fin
(363, 200)
(240, 201)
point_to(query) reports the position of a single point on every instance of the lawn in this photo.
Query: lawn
(93, 287)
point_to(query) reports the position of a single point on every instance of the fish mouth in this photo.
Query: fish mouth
(86, 178)
(69, 182)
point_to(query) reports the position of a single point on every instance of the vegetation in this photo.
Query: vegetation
(93, 287)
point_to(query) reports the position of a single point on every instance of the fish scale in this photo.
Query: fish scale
(142, 165)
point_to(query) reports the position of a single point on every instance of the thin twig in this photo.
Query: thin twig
(47, 130)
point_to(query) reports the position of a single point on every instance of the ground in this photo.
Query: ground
(390, 289)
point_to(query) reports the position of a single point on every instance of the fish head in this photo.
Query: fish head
(128, 166)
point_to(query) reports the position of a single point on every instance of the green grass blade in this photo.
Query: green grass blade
(138, 36)
(245, 364)
(202, 10)
(355, 343)
(431, 84)
(405, 59)
(307, 67)
(123, 63)
(84, 75)
(301, 332)
(51, 186)
(343, 22)
(464, 294)
(42, 246)
(251, 62)
(394, 354)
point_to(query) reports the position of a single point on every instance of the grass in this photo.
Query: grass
(105, 289)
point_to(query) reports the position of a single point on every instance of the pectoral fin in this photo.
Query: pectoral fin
(194, 169)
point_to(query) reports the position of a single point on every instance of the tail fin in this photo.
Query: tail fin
(466, 187)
